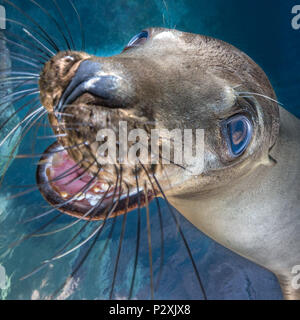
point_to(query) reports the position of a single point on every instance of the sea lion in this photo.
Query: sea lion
(247, 196)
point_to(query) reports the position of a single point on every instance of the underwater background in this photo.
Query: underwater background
(263, 30)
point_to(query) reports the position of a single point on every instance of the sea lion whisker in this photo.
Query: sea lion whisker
(14, 84)
(182, 237)
(16, 99)
(138, 235)
(47, 125)
(2, 125)
(55, 207)
(20, 73)
(65, 173)
(33, 272)
(89, 185)
(80, 25)
(12, 79)
(35, 135)
(168, 15)
(46, 12)
(24, 69)
(237, 86)
(30, 122)
(26, 119)
(23, 13)
(22, 156)
(26, 237)
(40, 55)
(94, 233)
(84, 189)
(161, 227)
(20, 55)
(64, 114)
(33, 65)
(119, 246)
(109, 236)
(35, 234)
(29, 116)
(162, 248)
(82, 174)
(30, 31)
(72, 224)
(65, 23)
(259, 95)
(149, 241)
(54, 136)
(29, 34)
(113, 224)
(15, 54)
(163, 158)
(20, 194)
(94, 242)
(45, 263)
(30, 125)
(11, 86)
(27, 91)
(62, 175)
(23, 83)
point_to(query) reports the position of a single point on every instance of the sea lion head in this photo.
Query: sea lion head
(162, 79)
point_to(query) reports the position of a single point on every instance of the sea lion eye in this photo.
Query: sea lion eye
(138, 39)
(238, 133)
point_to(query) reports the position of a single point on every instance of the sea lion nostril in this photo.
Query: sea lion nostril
(86, 70)
(88, 79)
(101, 87)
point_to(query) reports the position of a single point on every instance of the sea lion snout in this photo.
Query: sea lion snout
(75, 77)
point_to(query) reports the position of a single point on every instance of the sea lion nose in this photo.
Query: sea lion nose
(88, 78)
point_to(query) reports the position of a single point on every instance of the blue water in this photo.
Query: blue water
(261, 29)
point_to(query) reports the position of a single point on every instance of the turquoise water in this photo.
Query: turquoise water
(264, 32)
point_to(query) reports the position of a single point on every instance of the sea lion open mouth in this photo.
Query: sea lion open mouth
(72, 190)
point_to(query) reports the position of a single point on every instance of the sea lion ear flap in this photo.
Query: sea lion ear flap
(268, 161)
(271, 161)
